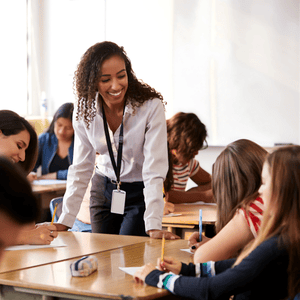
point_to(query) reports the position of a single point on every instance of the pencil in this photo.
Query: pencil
(54, 214)
(163, 248)
(200, 225)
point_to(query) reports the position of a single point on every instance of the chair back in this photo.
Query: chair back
(53, 202)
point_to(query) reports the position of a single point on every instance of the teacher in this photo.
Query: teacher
(123, 120)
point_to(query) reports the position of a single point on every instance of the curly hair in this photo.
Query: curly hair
(87, 77)
(186, 134)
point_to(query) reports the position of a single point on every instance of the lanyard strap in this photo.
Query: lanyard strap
(117, 167)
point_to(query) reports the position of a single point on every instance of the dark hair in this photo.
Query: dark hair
(186, 134)
(64, 111)
(11, 124)
(88, 74)
(236, 178)
(16, 197)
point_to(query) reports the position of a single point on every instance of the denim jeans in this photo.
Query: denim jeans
(81, 227)
(103, 221)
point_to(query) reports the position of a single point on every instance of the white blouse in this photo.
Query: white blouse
(145, 158)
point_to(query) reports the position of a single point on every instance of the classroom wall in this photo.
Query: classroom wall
(233, 63)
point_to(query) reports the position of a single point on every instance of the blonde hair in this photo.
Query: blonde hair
(282, 217)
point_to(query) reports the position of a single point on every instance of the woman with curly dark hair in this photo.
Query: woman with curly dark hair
(123, 120)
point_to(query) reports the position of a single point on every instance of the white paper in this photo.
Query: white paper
(187, 250)
(199, 203)
(55, 243)
(172, 215)
(48, 181)
(129, 270)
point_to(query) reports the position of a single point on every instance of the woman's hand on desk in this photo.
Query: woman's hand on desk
(158, 234)
(41, 235)
(194, 243)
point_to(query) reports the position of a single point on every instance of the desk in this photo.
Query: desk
(79, 244)
(45, 194)
(109, 282)
(188, 222)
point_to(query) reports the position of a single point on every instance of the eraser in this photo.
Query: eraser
(84, 266)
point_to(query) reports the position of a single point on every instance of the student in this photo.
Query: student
(236, 178)
(186, 136)
(56, 146)
(269, 267)
(109, 94)
(18, 142)
(18, 205)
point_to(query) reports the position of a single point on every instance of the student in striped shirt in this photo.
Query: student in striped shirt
(186, 136)
(235, 182)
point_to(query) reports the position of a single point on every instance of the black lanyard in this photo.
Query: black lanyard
(117, 167)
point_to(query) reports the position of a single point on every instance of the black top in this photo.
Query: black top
(59, 163)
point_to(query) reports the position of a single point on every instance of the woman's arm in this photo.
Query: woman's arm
(232, 238)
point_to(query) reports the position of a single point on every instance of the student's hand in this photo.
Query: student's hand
(41, 235)
(194, 243)
(168, 208)
(58, 226)
(141, 274)
(169, 264)
(31, 177)
(158, 234)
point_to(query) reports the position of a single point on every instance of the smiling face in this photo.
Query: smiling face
(113, 82)
(14, 146)
(63, 129)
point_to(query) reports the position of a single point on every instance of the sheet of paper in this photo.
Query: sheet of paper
(199, 203)
(172, 215)
(49, 181)
(129, 270)
(54, 244)
(187, 250)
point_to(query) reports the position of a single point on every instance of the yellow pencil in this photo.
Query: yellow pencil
(54, 214)
(163, 248)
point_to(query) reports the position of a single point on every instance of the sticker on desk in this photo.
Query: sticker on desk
(84, 266)
(172, 215)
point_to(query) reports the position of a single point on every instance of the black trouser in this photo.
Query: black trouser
(103, 221)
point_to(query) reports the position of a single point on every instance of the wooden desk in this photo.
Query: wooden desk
(109, 282)
(79, 244)
(188, 222)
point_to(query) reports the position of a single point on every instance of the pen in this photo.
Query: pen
(54, 214)
(163, 248)
(200, 225)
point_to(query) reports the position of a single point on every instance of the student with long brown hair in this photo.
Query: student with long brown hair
(236, 178)
(267, 269)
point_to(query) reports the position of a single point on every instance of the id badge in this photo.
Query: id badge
(118, 202)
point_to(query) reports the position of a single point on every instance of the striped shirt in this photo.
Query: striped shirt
(254, 215)
(181, 174)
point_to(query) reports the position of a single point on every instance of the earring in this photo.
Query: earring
(174, 152)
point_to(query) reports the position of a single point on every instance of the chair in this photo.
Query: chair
(53, 202)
